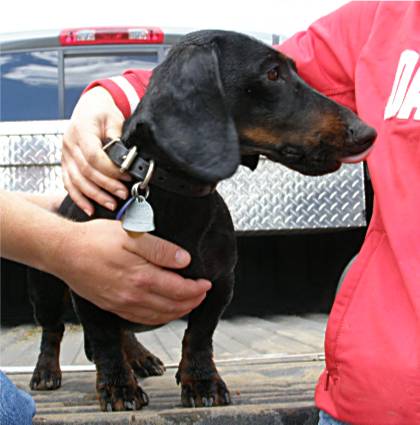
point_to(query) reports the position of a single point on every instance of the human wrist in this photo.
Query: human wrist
(61, 256)
(50, 201)
(110, 94)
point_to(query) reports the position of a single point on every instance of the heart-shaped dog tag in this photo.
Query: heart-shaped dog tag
(139, 216)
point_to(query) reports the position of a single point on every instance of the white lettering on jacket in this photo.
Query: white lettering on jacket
(405, 93)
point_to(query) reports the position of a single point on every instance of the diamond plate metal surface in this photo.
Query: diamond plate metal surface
(275, 198)
(270, 199)
(35, 179)
(30, 149)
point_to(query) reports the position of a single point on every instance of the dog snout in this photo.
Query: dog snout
(361, 134)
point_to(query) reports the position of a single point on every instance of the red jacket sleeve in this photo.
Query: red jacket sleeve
(326, 54)
(126, 90)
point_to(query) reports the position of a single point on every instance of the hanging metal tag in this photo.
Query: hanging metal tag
(139, 216)
(137, 212)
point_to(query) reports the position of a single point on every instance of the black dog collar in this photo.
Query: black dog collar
(129, 160)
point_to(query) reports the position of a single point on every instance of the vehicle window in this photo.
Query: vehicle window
(29, 86)
(80, 70)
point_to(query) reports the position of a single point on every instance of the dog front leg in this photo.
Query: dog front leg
(116, 384)
(48, 296)
(141, 360)
(201, 384)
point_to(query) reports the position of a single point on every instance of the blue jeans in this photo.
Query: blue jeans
(326, 419)
(16, 406)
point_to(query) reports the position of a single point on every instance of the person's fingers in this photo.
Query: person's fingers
(170, 285)
(146, 317)
(91, 149)
(111, 185)
(149, 317)
(81, 201)
(113, 127)
(165, 306)
(89, 189)
(158, 251)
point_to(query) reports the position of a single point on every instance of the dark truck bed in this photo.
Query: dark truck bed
(296, 234)
(270, 366)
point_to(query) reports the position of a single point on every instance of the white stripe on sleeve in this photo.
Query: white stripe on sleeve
(128, 89)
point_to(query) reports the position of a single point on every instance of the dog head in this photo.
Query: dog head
(221, 97)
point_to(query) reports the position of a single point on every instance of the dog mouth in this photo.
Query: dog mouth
(353, 159)
(305, 164)
(317, 169)
(315, 162)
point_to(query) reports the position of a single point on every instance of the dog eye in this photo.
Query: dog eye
(273, 74)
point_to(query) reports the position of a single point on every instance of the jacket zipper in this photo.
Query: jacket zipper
(327, 381)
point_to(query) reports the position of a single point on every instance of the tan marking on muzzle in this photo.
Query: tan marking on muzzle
(261, 136)
(330, 127)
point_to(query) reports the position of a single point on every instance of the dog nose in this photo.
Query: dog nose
(362, 134)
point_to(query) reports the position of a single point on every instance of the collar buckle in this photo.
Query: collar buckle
(128, 159)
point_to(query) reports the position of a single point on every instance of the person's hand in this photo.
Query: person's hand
(88, 173)
(123, 274)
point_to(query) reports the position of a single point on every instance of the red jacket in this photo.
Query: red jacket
(366, 56)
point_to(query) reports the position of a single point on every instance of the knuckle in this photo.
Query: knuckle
(179, 294)
(173, 309)
(85, 169)
(91, 157)
(144, 281)
(70, 136)
(76, 180)
(158, 252)
(153, 319)
(125, 299)
(65, 180)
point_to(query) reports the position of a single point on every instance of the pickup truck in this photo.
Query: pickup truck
(295, 235)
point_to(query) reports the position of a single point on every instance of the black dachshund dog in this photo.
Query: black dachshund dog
(219, 99)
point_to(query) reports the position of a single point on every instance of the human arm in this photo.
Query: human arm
(99, 116)
(101, 262)
(88, 173)
(48, 201)
(326, 53)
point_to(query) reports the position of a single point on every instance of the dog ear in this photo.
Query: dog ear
(186, 112)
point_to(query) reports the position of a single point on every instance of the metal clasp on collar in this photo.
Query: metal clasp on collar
(128, 159)
(144, 185)
(110, 143)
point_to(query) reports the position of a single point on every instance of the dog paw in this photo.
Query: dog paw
(141, 360)
(121, 397)
(148, 365)
(205, 393)
(45, 379)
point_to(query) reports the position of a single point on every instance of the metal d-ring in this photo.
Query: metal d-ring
(145, 183)
(110, 143)
(135, 191)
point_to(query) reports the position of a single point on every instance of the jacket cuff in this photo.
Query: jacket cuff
(126, 90)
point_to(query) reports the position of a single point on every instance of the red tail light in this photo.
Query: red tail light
(111, 35)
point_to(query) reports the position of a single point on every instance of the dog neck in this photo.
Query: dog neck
(164, 176)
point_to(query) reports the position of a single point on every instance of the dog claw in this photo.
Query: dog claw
(130, 405)
(45, 380)
(207, 401)
(50, 384)
(227, 398)
(145, 398)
